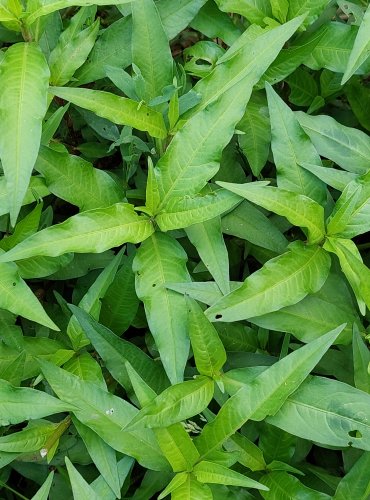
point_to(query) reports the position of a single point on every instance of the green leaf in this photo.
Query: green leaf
(265, 395)
(208, 472)
(114, 351)
(159, 260)
(176, 17)
(346, 146)
(43, 492)
(249, 223)
(352, 266)
(297, 208)
(92, 231)
(359, 100)
(185, 211)
(86, 368)
(209, 242)
(24, 78)
(361, 48)
(282, 281)
(17, 297)
(24, 228)
(253, 10)
(33, 438)
(255, 142)
(361, 361)
(23, 403)
(119, 110)
(73, 179)
(174, 404)
(332, 421)
(120, 303)
(103, 456)
(150, 48)
(288, 487)
(36, 189)
(190, 489)
(175, 483)
(81, 489)
(72, 50)
(290, 146)
(208, 350)
(106, 415)
(102, 489)
(338, 179)
(356, 483)
(249, 454)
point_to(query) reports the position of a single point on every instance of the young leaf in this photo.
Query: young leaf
(24, 78)
(361, 47)
(208, 472)
(265, 395)
(119, 110)
(297, 208)
(81, 489)
(209, 352)
(290, 146)
(150, 48)
(23, 403)
(208, 240)
(185, 211)
(114, 351)
(356, 483)
(282, 281)
(92, 231)
(106, 415)
(174, 404)
(191, 488)
(159, 260)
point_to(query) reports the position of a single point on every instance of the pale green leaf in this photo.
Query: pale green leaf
(37, 189)
(24, 78)
(23, 403)
(249, 454)
(346, 146)
(288, 487)
(190, 489)
(175, 483)
(208, 350)
(159, 260)
(253, 10)
(297, 208)
(176, 16)
(356, 483)
(119, 110)
(24, 228)
(265, 395)
(282, 281)
(84, 366)
(208, 240)
(361, 48)
(33, 438)
(102, 489)
(312, 8)
(43, 492)
(150, 48)
(81, 489)
(208, 472)
(290, 146)
(92, 231)
(182, 212)
(338, 179)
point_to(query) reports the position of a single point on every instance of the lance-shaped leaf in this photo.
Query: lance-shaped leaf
(75, 180)
(159, 260)
(174, 404)
(80, 488)
(209, 352)
(354, 269)
(253, 10)
(43, 492)
(361, 361)
(326, 411)
(92, 231)
(17, 297)
(313, 9)
(361, 48)
(176, 17)
(24, 79)
(106, 415)
(290, 146)
(297, 208)
(351, 214)
(208, 239)
(120, 110)
(22, 403)
(188, 210)
(44, 7)
(114, 351)
(265, 395)
(338, 179)
(103, 456)
(33, 438)
(290, 485)
(356, 483)
(346, 146)
(150, 48)
(282, 281)
(36, 189)
(209, 472)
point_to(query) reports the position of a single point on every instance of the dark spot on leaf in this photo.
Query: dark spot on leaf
(154, 284)
(14, 283)
(218, 316)
(356, 434)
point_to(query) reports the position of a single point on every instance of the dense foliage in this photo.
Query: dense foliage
(184, 290)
